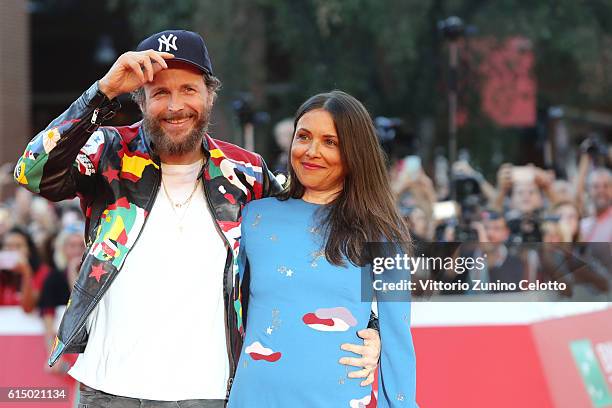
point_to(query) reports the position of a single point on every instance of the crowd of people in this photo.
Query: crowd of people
(526, 205)
(531, 224)
(41, 247)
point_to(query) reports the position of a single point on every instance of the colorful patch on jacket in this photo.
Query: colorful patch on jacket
(133, 165)
(97, 272)
(56, 350)
(30, 155)
(19, 173)
(84, 165)
(119, 227)
(50, 139)
(221, 165)
(32, 163)
(94, 143)
(238, 310)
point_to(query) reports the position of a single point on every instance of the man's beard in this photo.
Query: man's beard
(164, 144)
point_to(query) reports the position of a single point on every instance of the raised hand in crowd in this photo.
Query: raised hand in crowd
(504, 185)
(418, 183)
(544, 179)
(464, 168)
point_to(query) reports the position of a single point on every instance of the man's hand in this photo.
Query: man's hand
(131, 71)
(370, 353)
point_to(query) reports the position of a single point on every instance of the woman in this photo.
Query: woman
(301, 254)
(569, 220)
(570, 262)
(22, 272)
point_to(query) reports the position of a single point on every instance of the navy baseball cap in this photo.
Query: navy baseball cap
(186, 46)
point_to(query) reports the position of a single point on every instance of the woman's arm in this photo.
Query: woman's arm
(397, 373)
(397, 369)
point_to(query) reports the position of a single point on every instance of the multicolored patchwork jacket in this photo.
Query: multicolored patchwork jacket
(116, 174)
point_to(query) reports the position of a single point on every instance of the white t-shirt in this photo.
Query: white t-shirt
(159, 331)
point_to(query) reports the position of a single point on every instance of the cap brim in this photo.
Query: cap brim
(193, 64)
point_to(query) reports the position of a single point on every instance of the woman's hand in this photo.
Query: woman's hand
(370, 354)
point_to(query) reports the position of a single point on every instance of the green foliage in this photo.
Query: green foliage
(150, 16)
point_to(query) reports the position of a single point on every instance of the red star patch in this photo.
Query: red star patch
(96, 272)
(111, 174)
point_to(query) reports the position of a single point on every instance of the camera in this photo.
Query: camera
(245, 113)
(525, 227)
(470, 199)
(395, 138)
(596, 149)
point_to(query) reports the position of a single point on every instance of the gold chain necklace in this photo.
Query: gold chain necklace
(185, 203)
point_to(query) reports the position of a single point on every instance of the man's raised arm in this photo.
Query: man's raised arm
(59, 161)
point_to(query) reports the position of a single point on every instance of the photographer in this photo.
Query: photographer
(472, 192)
(521, 195)
(502, 263)
(463, 168)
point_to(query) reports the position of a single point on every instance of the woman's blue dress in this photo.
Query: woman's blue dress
(301, 309)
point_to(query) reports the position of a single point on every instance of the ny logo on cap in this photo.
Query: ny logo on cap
(167, 42)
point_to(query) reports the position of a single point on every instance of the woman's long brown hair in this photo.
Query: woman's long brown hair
(364, 211)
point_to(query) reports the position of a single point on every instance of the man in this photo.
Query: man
(158, 301)
(598, 228)
(502, 264)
